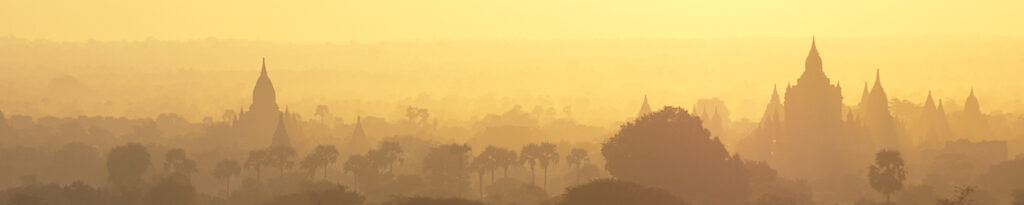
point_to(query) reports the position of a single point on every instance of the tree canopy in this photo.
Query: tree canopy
(670, 149)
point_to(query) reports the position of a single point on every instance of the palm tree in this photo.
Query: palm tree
(481, 164)
(530, 155)
(321, 157)
(506, 158)
(357, 165)
(225, 169)
(548, 156)
(280, 157)
(392, 152)
(492, 154)
(576, 158)
(256, 161)
(178, 164)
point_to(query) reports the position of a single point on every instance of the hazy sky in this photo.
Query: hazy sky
(733, 49)
(404, 20)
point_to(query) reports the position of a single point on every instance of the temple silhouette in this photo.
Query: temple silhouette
(264, 121)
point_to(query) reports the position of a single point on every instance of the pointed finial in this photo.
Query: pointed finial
(878, 74)
(263, 70)
(814, 46)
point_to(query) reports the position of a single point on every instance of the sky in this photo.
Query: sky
(677, 51)
(414, 20)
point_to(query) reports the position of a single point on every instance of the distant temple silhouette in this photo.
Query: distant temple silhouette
(880, 124)
(264, 119)
(973, 124)
(281, 138)
(644, 108)
(933, 127)
(813, 121)
(804, 134)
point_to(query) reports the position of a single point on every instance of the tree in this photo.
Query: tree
(321, 157)
(357, 165)
(323, 112)
(310, 164)
(481, 164)
(256, 161)
(391, 152)
(385, 156)
(548, 156)
(530, 155)
(576, 158)
(612, 191)
(492, 155)
(505, 158)
(179, 165)
(281, 157)
(225, 169)
(670, 149)
(83, 158)
(887, 174)
(446, 168)
(960, 198)
(126, 164)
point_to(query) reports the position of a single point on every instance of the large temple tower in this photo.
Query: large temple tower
(813, 109)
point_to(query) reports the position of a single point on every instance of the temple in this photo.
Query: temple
(264, 119)
(644, 108)
(813, 122)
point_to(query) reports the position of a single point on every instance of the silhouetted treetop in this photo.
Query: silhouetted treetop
(126, 164)
(671, 150)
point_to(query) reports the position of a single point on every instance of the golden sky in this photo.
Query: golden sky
(406, 20)
(677, 51)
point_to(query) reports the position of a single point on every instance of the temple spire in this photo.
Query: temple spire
(878, 82)
(929, 103)
(814, 47)
(358, 133)
(878, 76)
(864, 96)
(972, 105)
(812, 65)
(264, 98)
(281, 138)
(645, 108)
(939, 108)
(775, 95)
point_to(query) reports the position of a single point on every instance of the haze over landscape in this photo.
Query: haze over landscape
(418, 102)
